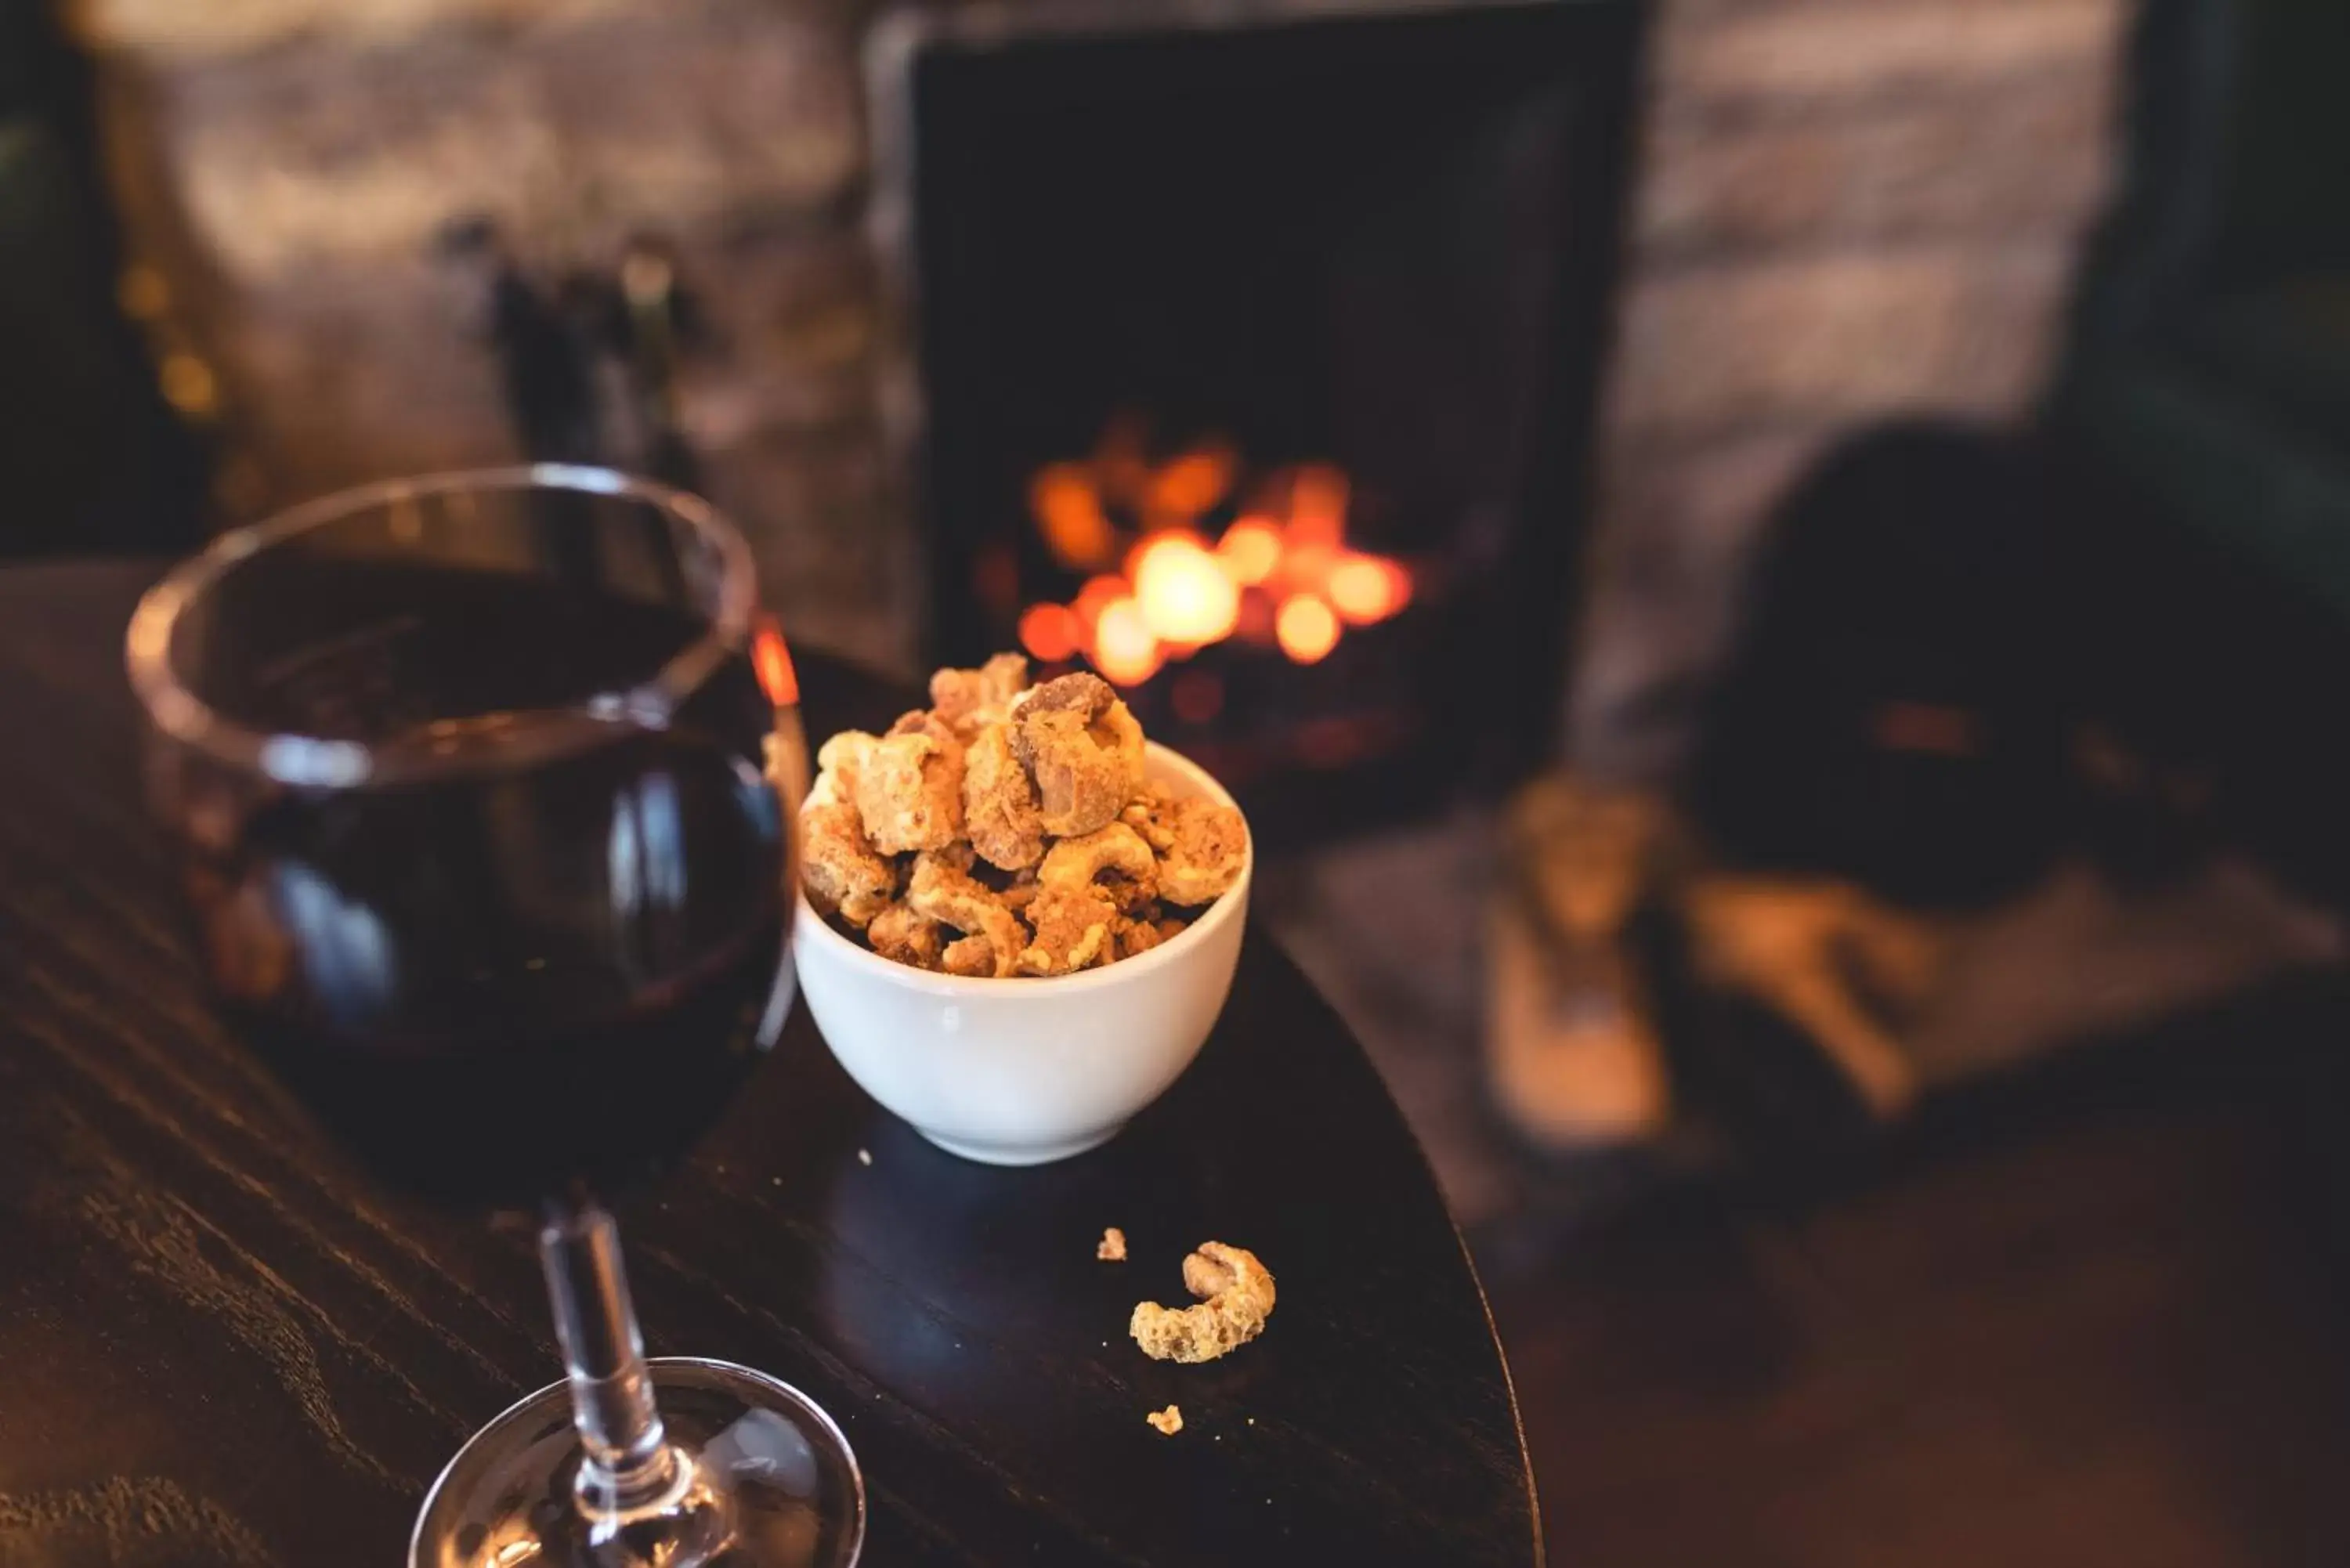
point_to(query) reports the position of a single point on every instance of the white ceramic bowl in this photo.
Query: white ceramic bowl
(1022, 1071)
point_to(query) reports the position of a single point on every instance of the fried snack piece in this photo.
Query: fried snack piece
(999, 802)
(919, 721)
(1114, 861)
(1237, 1297)
(1072, 927)
(837, 763)
(973, 957)
(969, 699)
(1131, 937)
(1111, 1249)
(1021, 891)
(1201, 845)
(957, 854)
(1169, 1421)
(1082, 748)
(839, 867)
(943, 891)
(898, 933)
(907, 786)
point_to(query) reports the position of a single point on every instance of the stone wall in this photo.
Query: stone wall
(1849, 206)
(288, 164)
(1849, 209)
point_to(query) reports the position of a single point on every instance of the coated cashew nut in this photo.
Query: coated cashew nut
(838, 868)
(999, 802)
(1072, 930)
(907, 938)
(1082, 747)
(1202, 845)
(944, 892)
(1237, 1297)
(907, 786)
(969, 699)
(1113, 860)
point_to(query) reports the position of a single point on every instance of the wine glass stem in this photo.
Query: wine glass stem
(627, 1456)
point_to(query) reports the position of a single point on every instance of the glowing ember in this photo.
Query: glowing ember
(1250, 550)
(1069, 514)
(1092, 599)
(1191, 486)
(1125, 650)
(1308, 629)
(1256, 617)
(1050, 632)
(1366, 589)
(1185, 595)
(1317, 505)
(1279, 575)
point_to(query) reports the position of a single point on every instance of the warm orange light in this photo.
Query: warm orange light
(1366, 589)
(1250, 550)
(1306, 568)
(1317, 505)
(1097, 596)
(773, 662)
(1280, 575)
(1050, 632)
(1184, 594)
(1307, 628)
(1192, 484)
(1257, 617)
(1124, 650)
(1070, 515)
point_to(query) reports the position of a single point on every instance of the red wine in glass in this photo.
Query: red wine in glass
(545, 971)
(470, 776)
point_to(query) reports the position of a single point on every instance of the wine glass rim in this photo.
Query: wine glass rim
(294, 758)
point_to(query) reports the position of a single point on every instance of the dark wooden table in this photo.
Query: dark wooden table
(221, 1345)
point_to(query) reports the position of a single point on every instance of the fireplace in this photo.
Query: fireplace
(1252, 364)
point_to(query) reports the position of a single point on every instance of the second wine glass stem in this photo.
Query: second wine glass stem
(627, 1458)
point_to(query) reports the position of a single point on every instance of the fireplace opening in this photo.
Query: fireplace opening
(1254, 368)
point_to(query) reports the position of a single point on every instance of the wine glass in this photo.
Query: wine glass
(484, 787)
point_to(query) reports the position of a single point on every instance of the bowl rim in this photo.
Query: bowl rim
(808, 926)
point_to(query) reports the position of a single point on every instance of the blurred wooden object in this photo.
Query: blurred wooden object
(1893, 1004)
(1571, 1047)
(1817, 952)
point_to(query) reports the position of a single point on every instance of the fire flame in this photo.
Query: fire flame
(1280, 574)
(1308, 629)
(1185, 595)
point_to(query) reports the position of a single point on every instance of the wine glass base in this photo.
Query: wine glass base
(788, 1492)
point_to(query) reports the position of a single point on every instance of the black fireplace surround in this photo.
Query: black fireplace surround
(1383, 241)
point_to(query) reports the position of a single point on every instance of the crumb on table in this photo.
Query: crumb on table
(1170, 1421)
(1112, 1247)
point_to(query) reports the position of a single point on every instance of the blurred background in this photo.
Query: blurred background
(1774, 575)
